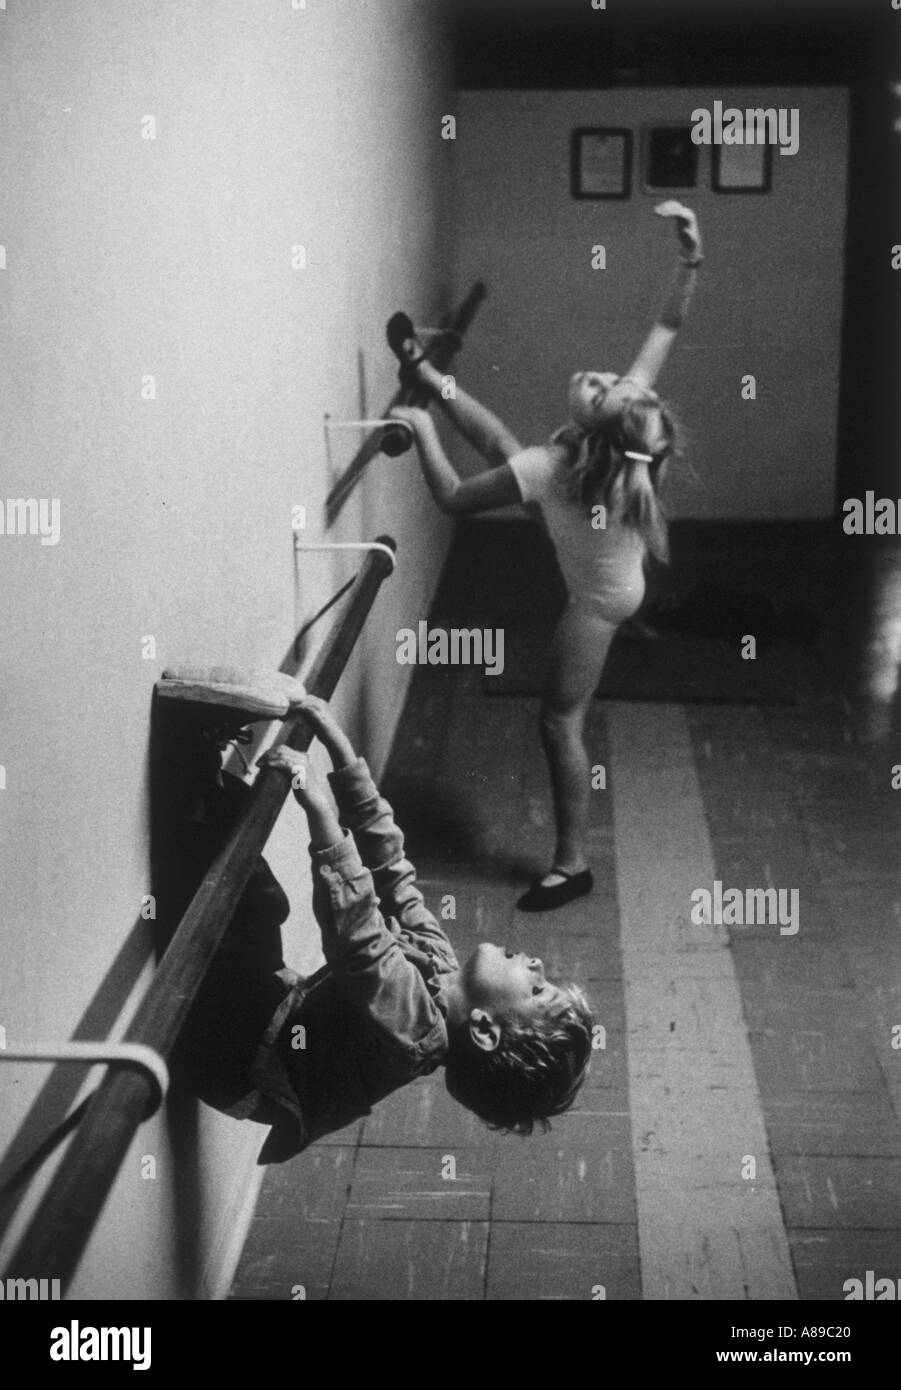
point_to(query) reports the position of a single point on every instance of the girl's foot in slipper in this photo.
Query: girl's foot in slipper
(555, 890)
(406, 347)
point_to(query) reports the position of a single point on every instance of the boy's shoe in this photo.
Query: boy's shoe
(542, 899)
(244, 693)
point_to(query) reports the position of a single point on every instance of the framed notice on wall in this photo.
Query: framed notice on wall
(601, 162)
(742, 168)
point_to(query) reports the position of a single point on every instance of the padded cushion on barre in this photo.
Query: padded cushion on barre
(259, 692)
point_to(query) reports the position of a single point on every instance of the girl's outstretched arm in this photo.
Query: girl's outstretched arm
(497, 487)
(479, 426)
(655, 350)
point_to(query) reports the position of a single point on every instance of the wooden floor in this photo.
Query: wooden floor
(740, 1134)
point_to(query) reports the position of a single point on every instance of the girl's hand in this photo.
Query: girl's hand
(304, 782)
(328, 730)
(411, 415)
(686, 225)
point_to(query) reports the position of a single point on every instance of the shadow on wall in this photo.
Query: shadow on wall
(51, 1117)
(48, 1121)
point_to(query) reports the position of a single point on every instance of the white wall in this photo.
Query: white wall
(172, 257)
(769, 301)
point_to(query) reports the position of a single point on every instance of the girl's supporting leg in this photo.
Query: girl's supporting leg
(578, 654)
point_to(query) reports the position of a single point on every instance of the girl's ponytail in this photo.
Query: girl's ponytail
(641, 508)
(622, 463)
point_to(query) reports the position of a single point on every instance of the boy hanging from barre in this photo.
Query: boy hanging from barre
(308, 1057)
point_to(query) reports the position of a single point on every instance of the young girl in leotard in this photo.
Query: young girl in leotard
(596, 484)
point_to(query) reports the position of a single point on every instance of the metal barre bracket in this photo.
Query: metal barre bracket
(331, 424)
(398, 430)
(137, 1056)
(347, 545)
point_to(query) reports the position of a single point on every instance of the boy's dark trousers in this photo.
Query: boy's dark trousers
(192, 816)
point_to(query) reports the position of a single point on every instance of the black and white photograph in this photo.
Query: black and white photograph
(450, 728)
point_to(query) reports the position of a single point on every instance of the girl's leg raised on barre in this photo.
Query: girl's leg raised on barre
(581, 643)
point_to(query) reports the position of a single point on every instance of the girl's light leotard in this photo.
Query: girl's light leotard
(603, 568)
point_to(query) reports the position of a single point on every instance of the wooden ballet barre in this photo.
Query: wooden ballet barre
(61, 1227)
(452, 335)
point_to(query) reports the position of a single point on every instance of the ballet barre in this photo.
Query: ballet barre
(394, 440)
(300, 546)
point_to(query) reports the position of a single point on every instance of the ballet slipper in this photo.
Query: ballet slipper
(545, 899)
(399, 331)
